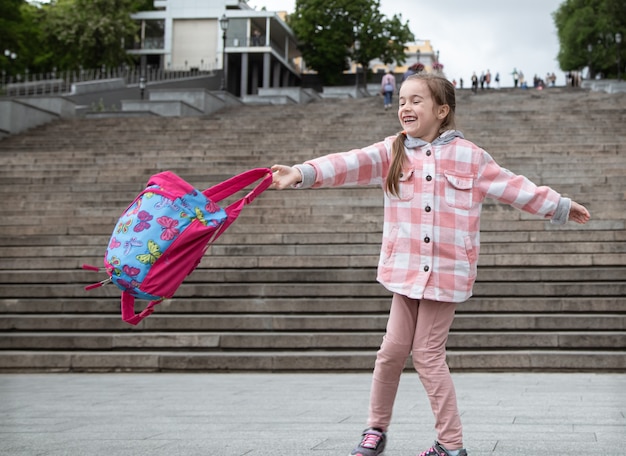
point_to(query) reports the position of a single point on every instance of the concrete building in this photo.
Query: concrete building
(254, 49)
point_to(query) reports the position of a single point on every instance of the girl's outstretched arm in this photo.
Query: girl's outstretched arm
(285, 176)
(578, 213)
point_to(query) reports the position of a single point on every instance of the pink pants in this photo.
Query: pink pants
(420, 328)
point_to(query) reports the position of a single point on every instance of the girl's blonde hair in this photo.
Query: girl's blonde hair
(443, 93)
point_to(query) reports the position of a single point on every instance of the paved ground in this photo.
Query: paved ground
(301, 414)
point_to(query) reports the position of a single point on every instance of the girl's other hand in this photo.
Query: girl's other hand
(579, 213)
(285, 176)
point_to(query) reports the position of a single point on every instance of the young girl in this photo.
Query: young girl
(434, 184)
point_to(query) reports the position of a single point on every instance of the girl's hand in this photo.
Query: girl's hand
(285, 176)
(578, 213)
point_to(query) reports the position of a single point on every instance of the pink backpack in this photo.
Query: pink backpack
(161, 238)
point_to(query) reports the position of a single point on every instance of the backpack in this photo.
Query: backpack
(161, 237)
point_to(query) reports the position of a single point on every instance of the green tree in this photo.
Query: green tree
(587, 35)
(90, 33)
(10, 21)
(327, 31)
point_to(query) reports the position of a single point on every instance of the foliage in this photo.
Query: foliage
(586, 31)
(10, 20)
(91, 33)
(327, 31)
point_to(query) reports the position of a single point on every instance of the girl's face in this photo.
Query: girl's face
(417, 113)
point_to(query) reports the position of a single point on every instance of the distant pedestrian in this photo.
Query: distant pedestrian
(497, 79)
(515, 77)
(387, 88)
(474, 82)
(461, 83)
(256, 37)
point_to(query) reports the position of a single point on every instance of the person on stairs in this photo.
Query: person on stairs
(387, 88)
(434, 183)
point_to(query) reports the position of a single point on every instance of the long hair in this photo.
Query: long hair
(443, 93)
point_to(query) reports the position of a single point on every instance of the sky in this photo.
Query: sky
(476, 36)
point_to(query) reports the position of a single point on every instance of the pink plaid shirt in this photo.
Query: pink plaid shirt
(431, 233)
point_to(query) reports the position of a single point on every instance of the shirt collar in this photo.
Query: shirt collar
(444, 138)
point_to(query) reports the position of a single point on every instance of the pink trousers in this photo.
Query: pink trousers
(419, 328)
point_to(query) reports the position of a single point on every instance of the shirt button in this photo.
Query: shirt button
(427, 209)
(429, 178)
(426, 269)
(426, 239)
(428, 153)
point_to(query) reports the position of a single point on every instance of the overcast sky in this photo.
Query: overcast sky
(477, 35)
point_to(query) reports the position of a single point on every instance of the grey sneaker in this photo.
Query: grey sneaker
(372, 443)
(438, 450)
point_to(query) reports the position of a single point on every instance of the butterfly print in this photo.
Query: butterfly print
(169, 228)
(128, 286)
(135, 208)
(114, 243)
(212, 207)
(154, 253)
(143, 224)
(132, 242)
(131, 271)
(166, 202)
(122, 227)
(115, 261)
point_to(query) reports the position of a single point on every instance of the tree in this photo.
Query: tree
(10, 20)
(90, 33)
(587, 35)
(327, 31)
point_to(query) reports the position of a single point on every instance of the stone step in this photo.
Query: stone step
(308, 275)
(298, 360)
(317, 250)
(314, 322)
(361, 261)
(212, 341)
(286, 238)
(330, 289)
(313, 305)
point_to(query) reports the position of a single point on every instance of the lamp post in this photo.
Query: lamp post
(618, 42)
(11, 56)
(419, 52)
(224, 27)
(357, 46)
(589, 50)
(142, 86)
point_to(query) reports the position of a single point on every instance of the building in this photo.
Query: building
(253, 48)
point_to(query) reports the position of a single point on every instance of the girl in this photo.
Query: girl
(434, 184)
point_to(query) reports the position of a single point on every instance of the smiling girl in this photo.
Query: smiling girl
(434, 182)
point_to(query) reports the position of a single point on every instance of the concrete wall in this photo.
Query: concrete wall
(16, 116)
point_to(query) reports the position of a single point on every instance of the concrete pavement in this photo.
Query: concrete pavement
(261, 414)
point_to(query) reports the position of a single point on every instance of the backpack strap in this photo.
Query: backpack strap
(236, 183)
(233, 185)
(128, 309)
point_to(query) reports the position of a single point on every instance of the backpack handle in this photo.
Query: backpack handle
(128, 309)
(233, 185)
(236, 183)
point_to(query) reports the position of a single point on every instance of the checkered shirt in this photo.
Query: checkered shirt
(431, 232)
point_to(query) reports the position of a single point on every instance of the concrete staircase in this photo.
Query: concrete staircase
(291, 285)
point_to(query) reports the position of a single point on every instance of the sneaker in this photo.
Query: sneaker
(438, 450)
(372, 443)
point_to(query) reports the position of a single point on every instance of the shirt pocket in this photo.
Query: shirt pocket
(406, 185)
(458, 190)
